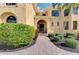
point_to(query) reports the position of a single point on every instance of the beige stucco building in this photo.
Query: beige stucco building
(44, 21)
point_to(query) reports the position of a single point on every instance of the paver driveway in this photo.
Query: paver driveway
(43, 46)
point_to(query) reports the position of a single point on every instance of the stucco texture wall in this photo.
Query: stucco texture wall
(18, 12)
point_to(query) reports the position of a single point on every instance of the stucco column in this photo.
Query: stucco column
(30, 13)
(61, 21)
(70, 22)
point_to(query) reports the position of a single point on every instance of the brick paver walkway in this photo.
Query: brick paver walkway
(43, 46)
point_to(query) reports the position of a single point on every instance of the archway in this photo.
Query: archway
(8, 17)
(42, 26)
(11, 19)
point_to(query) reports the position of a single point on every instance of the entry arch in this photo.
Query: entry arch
(42, 26)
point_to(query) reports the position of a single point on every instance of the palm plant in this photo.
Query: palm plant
(75, 5)
(66, 6)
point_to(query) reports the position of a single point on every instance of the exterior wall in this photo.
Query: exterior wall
(64, 19)
(17, 11)
(50, 28)
(24, 13)
(30, 13)
(54, 27)
(49, 19)
(61, 19)
(75, 18)
(45, 18)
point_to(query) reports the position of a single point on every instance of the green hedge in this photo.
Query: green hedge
(61, 36)
(70, 37)
(55, 37)
(16, 35)
(70, 34)
(72, 43)
(50, 35)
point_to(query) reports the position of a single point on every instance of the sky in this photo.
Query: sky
(42, 6)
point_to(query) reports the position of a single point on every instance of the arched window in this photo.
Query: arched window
(11, 19)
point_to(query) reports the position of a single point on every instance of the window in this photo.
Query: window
(75, 10)
(11, 19)
(66, 12)
(57, 23)
(74, 25)
(10, 3)
(66, 25)
(55, 13)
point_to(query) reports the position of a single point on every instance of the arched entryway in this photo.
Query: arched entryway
(42, 26)
(11, 19)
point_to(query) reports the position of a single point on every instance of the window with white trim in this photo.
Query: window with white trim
(75, 10)
(66, 25)
(74, 25)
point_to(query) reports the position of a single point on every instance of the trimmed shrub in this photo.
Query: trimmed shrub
(36, 35)
(61, 37)
(72, 43)
(55, 37)
(16, 35)
(70, 34)
(50, 35)
(58, 38)
(70, 37)
(56, 34)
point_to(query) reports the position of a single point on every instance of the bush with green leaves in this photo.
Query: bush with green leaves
(55, 37)
(61, 36)
(58, 38)
(72, 43)
(16, 35)
(70, 37)
(70, 34)
(50, 35)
